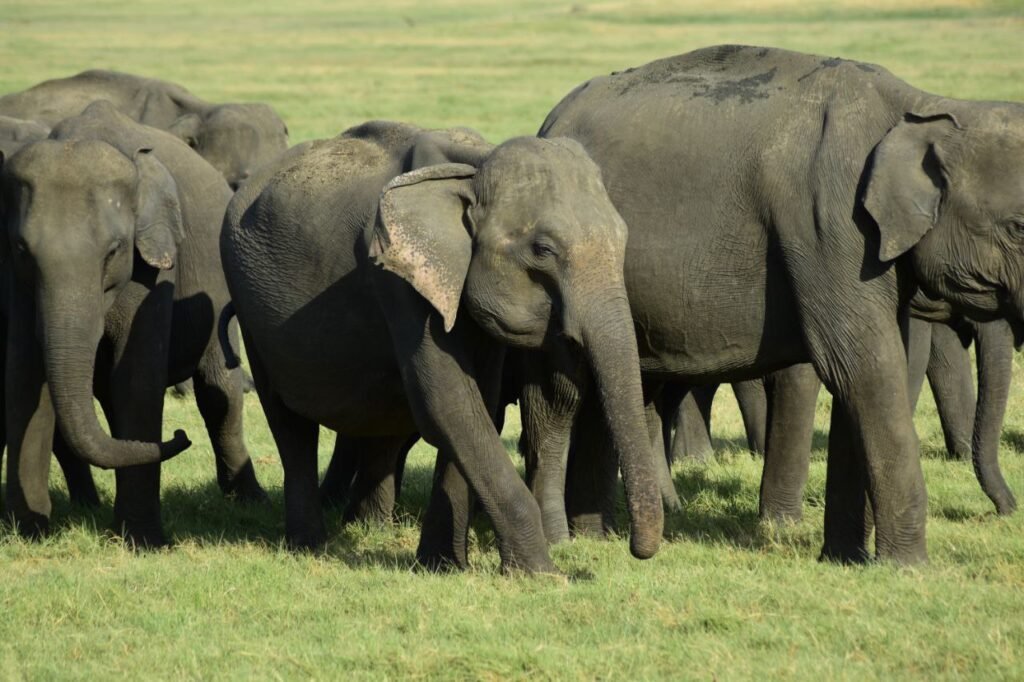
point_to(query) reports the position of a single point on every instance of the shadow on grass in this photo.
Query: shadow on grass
(718, 508)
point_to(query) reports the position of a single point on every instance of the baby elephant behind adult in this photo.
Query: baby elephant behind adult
(116, 286)
(385, 315)
(235, 138)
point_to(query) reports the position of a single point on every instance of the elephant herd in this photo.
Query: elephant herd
(734, 214)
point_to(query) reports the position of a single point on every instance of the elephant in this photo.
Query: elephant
(937, 347)
(235, 138)
(784, 208)
(113, 287)
(378, 278)
(15, 133)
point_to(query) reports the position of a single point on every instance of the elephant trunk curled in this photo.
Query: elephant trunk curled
(70, 338)
(609, 338)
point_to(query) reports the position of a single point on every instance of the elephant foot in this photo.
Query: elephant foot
(904, 556)
(30, 525)
(843, 553)
(369, 513)
(588, 525)
(142, 536)
(781, 515)
(245, 489)
(437, 560)
(540, 565)
(306, 540)
(1005, 504)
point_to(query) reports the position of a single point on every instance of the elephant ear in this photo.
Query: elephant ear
(186, 128)
(158, 223)
(422, 236)
(906, 180)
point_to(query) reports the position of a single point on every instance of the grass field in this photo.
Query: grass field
(725, 598)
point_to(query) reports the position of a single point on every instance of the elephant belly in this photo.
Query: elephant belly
(714, 306)
(330, 359)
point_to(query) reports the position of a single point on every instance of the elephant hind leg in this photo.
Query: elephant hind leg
(296, 438)
(372, 494)
(220, 400)
(334, 489)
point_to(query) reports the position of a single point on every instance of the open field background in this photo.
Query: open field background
(725, 598)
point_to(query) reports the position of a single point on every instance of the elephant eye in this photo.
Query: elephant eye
(543, 250)
(1016, 225)
(20, 246)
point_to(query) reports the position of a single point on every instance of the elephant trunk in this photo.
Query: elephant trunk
(70, 336)
(995, 363)
(609, 340)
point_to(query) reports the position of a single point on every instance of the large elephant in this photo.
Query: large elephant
(236, 138)
(784, 208)
(113, 284)
(378, 277)
(779, 408)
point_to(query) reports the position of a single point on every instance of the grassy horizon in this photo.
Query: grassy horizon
(727, 597)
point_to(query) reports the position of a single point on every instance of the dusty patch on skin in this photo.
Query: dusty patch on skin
(833, 62)
(744, 89)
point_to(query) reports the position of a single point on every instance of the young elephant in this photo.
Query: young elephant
(383, 315)
(783, 208)
(111, 255)
(234, 138)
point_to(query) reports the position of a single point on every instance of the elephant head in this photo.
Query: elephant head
(949, 189)
(76, 214)
(531, 248)
(234, 138)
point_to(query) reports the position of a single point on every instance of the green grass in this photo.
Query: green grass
(726, 597)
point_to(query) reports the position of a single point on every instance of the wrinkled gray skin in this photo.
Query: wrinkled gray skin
(235, 138)
(384, 315)
(783, 208)
(937, 348)
(114, 288)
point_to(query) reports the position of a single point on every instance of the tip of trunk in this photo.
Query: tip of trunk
(645, 538)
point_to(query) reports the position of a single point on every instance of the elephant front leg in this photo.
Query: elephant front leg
(792, 394)
(453, 399)
(873, 448)
(669, 497)
(444, 539)
(949, 375)
(139, 329)
(548, 405)
(30, 424)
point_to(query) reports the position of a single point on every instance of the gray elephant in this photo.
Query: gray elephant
(783, 208)
(113, 285)
(784, 403)
(378, 278)
(235, 138)
(15, 133)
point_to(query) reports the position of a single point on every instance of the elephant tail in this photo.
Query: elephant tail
(230, 356)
